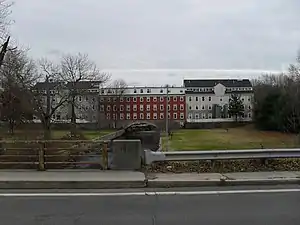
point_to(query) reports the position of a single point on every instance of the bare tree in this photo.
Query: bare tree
(48, 96)
(17, 70)
(78, 71)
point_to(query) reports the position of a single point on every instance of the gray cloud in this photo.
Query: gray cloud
(189, 34)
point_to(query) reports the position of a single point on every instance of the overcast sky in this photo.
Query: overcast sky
(156, 35)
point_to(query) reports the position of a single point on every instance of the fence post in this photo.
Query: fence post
(105, 156)
(42, 157)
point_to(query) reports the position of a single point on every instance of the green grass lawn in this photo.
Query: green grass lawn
(235, 138)
(56, 134)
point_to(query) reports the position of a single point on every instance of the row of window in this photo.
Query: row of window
(209, 98)
(142, 116)
(227, 89)
(141, 107)
(209, 116)
(197, 107)
(141, 99)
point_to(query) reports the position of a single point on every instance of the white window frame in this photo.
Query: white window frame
(148, 107)
(175, 116)
(108, 108)
(121, 107)
(148, 99)
(182, 116)
(121, 116)
(175, 107)
(134, 116)
(161, 99)
(141, 107)
(161, 116)
(181, 98)
(161, 107)
(134, 99)
(141, 99)
(141, 116)
(148, 116)
(155, 116)
(154, 99)
(128, 116)
(134, 107)
(127, 107)
(155, 107)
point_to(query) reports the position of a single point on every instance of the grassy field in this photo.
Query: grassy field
(56, 134)
(234, 138)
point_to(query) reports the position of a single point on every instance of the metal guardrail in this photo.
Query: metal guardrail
(151, 157)
(40, 153)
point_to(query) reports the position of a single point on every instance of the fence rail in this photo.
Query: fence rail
(151, 157)
(40, 153)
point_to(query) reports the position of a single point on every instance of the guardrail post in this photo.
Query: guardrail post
(42, 158)
(105, 156)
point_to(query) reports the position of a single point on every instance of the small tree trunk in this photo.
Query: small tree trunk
(73, 117)
(47, 129)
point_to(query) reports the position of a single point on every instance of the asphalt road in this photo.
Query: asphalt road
(225, 206)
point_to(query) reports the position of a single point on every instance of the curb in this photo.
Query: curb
(210, 183)
(71, 184)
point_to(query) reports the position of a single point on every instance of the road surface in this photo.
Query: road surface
(249, 205)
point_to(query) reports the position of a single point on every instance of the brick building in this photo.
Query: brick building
(120, 107)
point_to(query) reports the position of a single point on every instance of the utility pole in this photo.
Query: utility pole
(167, 119)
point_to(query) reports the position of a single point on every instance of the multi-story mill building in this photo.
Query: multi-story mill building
(154, 104)
(198, 101)
(208, 100)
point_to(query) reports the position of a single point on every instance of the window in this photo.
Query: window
(115, 108)
(203, 115)
(108, 99)
(114, 99)
(134, 107)
(79, 98)
(181, 99)
(161, 116)
(249, 99)
(249, 115)
(175, 116)
(209, 107)
(148, 116)
(190, 116)
(161, 90)
(141, 116)
(114, 116)
(148, 99)
(209, 98)
(169, 115)
(148, 90)
(108, 108)
(128, 99)
(209, 115)
(141, 99)
(134, 99)
(249, 107)
(196, 107)
(122, 116)
(134, 91)
(196, 98)
(169, 99)
(190, 107)
(169, 107)
(182, 116)
(127, 107)
(161, 107)
(121, 99)
(221, 99)
(155, 99)
(181, 107)
(101, 108)
(108, 116)
(203, 107)
(101, 99)
(148, 107)
(141, 107)
(242, 99)
(174, 107)
(196, 116)
(175, 99)
(203, 99)
(93, 99)
(121, 107)
(134, 116)
(142, 91)
(161, 99)
(155, 107)
(155, 116)
(128, 116)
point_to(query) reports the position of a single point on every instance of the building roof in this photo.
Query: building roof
(214, 82)
(78, 85)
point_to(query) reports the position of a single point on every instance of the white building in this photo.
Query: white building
(208, 100)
